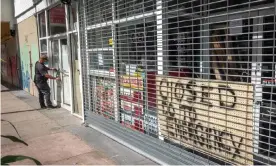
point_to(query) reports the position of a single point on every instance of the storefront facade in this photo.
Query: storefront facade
(58, 38)
(198, 75)
(50, 28)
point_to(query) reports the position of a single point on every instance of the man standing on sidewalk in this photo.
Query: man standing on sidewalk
(40, 80)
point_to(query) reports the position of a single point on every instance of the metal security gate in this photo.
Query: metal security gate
(182, 81)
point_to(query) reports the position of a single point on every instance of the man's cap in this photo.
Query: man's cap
(44, 57)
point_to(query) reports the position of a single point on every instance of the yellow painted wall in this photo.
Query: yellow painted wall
(29, 52)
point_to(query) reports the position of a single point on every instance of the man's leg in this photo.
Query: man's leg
(41, 98)
(45, 90)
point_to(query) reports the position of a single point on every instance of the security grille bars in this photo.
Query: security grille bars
(199, 74)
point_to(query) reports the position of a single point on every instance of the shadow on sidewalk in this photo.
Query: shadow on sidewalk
(10, 90)
(20, 111)
(6, 87)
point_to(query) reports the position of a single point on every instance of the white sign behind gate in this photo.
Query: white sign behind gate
(213, 117)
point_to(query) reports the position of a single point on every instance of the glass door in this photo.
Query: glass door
(54, 62)
(65, 73)
(61, 89)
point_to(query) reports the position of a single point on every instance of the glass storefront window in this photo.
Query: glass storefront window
(216, 71)
(231, 51)
(73, 16)
(183, 46)
(42, 25)
(57, 21)
(127, 8)
(101, 11)
(220, 6)
(43, 45)
(99, 38)
(101, 60)
(182, 6)
(136, 44)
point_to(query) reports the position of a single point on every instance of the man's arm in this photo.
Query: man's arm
(51, 77)
(43, 71)
(50, 68)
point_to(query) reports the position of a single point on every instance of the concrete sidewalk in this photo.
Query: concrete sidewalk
(57, 137)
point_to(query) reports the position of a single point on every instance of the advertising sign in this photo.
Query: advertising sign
(134, 108)
(151, 124)
(132, 122)
(105, 104)
(131, 95)
(56, 15)
(134, 82)
(214, 117)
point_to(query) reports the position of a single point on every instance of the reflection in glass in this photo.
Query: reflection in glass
(73, 16)
(137, 44)
(127, 8)
(101, 60)
(101, 12)
(98, 38)
(57, 23)
(231, 50)
(42, 25)
(43, 45)
(55, 63)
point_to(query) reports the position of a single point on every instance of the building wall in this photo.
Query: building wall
(27, 8)
(29, 52)
(9, 66)
(21, 6)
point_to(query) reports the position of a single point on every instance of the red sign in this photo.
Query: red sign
(105, 98)
(132, 122)
(137, 109)
(56, 15)
(269, 81)
(131, 95)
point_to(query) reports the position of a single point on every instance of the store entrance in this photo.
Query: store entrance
(61, 90)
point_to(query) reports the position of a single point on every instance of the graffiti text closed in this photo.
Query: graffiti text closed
(214, 117)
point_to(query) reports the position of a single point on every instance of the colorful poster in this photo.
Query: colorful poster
(132, 122)
(131, 95)
(105, 90)
(151, 124)
(131, 105)
(133, 82)
(134, 109)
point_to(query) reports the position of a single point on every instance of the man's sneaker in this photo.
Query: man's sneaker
(51, 107)
(43, 107)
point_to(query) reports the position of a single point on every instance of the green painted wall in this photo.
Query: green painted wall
(27, 71)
